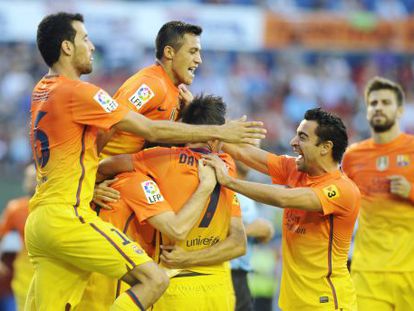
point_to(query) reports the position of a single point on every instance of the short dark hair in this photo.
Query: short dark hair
(172, 34)
(330, 128)
(380, 83)
(52, 31)
(205, 109)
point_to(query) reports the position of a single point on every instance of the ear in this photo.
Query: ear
(169, 52)
(327, 147)
(67, 47)
(400, 111)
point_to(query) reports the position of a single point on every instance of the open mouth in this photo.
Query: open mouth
(192, 70)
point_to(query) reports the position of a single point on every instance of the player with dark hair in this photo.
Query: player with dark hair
(320, 209)
(189, 225)
(64, 237)
(382, 264)
(159, 91)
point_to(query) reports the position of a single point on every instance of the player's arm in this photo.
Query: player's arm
(178, 225)
(299, 198)
(251, 155)
(237, 131)
(232, 247)
(111, 166)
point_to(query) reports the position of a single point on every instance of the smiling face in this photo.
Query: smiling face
(82, 58)
(186, 59)
(382, 110)
(305, 145)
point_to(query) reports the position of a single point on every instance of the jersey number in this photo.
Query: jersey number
(125, 240)
(41, 142)
(211, 208)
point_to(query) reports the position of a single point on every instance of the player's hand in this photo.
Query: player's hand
(242, 131)
(173, 256)
(206, 175)
(184, 95)
(400, 186)
(103, 194)
(221, 169)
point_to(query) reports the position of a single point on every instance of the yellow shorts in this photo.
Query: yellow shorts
(384, 291)
(203, 292)
(23, 273)
(101, 292)
(65, 249)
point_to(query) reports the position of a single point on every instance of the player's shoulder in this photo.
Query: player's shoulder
(360, 146)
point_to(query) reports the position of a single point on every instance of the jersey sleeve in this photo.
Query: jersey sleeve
(91, 105)
(338, 198)
(278, 168)
(142, 94)
(143, 196)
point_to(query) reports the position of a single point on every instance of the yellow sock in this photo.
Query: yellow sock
(127, 301)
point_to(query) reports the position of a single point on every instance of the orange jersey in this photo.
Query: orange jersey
(150, 92)
(65, 117)
(175, 172)
(385, 227)
(315, 245)
(14, 216)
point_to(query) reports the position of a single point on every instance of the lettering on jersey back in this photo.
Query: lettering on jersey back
(186, 159)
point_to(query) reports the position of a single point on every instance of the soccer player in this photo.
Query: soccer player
(383, 265)
(320, 208)
(13, 219)
(194, 238)
(64, 237)
(159, 91)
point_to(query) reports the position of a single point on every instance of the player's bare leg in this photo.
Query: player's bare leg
(148, 282)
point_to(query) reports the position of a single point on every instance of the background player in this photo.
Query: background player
(382, 167)
(13, 219)
(66, 164)
(320, 208)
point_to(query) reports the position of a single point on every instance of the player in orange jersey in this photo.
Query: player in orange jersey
(321, 205)
(14, 219)
(383, 168)
(65, 239)
(158, 91)
(194, 238)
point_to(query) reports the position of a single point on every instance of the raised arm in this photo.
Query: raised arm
(250, 155)
(237, 131)
(299, 198)
(232, 247)
(178, 225)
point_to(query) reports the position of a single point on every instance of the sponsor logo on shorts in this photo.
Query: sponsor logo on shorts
(106, 101)
(152, 192)
(331, 192)
(141, 96)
